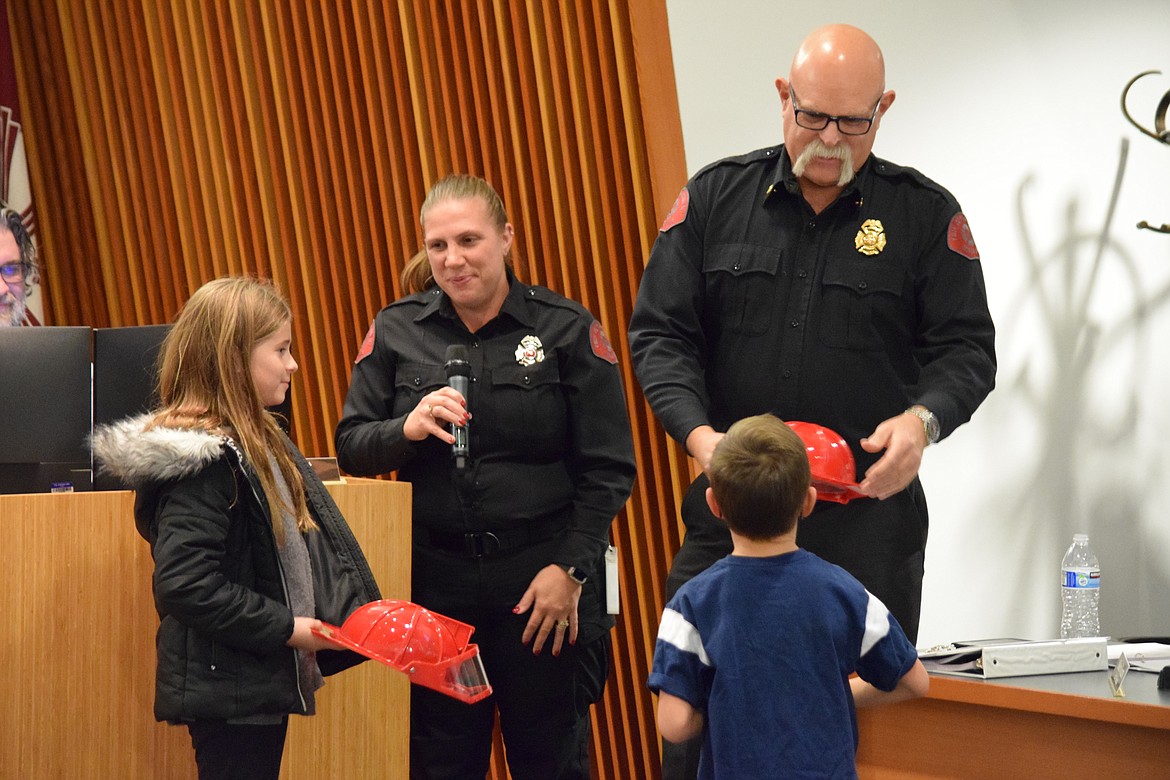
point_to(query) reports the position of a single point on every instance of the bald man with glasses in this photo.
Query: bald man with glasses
(817, 282)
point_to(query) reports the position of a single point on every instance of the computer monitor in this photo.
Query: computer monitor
(45, 400)
(124, 379)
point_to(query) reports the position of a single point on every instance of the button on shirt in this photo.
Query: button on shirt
(752, 303)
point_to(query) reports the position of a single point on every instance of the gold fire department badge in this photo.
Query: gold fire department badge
(871, 239)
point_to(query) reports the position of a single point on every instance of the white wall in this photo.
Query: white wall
(1014, 107)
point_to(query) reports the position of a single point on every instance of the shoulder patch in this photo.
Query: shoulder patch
(600, 344)
(678, 212)
(959, 237)
(367, 347)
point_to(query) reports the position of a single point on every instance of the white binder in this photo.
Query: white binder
(990, 658)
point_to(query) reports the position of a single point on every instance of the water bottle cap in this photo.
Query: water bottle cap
(1080, 537)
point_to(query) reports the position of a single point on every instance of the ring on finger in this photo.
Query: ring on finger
(562, 624)
(430, 407)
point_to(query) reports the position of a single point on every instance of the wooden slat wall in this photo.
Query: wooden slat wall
(170, 143)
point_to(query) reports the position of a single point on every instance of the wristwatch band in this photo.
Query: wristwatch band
(575, 574)
(930, 422)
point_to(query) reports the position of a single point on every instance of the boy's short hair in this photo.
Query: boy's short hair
(760, 476)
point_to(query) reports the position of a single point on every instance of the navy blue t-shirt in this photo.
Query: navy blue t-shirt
(764, 648)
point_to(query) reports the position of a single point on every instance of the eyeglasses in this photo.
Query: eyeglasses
(848, 125)
(12, 273)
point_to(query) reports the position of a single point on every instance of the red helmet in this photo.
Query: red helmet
(430, 647)
(831, 460)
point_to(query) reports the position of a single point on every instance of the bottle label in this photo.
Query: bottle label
(1081, 580)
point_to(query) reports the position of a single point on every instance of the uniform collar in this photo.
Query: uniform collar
(436, 303)
(784, 180)
(514, 304)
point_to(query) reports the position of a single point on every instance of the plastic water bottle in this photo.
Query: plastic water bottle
(1080, 588)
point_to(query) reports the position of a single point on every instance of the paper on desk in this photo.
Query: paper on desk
(1142, 656)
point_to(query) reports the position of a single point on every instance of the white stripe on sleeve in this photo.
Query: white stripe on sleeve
(877, 623)
(675, 630)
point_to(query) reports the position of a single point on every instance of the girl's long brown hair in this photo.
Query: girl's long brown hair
(205, 381)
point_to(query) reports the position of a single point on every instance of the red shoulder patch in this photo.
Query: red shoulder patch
(959, 237)
(367, 347)
(678, 212)
(600, 344)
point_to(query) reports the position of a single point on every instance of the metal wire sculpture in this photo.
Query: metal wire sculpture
(1159, 133)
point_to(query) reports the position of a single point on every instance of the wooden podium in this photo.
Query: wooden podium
(78, 648)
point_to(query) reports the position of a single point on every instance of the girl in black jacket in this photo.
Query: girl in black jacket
(250, 552)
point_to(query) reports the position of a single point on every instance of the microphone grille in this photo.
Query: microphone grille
(457, 363)
(456, 352)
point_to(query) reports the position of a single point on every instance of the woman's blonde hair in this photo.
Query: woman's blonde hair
(205, 381)
(417, 275)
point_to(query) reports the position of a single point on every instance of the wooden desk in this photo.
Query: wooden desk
(78, 654)
(1048, 726)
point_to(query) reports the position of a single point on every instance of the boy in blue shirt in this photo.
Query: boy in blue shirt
(756, 652)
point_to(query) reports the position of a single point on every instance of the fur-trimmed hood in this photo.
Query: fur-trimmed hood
(137, 456)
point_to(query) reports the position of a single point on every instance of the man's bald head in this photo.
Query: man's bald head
(839, 54)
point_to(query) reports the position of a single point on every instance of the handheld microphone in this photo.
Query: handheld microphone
(459, 377)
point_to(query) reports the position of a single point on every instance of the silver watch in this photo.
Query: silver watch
(929, 422)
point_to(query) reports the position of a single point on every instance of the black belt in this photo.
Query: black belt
(483, 544)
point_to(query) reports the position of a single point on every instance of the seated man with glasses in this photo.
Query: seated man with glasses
(814, 281)
(18, 269)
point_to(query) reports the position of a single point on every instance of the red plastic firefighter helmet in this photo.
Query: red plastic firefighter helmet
(431, 648)
(833, 471)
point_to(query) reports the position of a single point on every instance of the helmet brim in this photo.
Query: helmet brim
(461, 677)
(837, 492)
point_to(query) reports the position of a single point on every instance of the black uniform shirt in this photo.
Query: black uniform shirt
(752, 303)
(549, 435)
